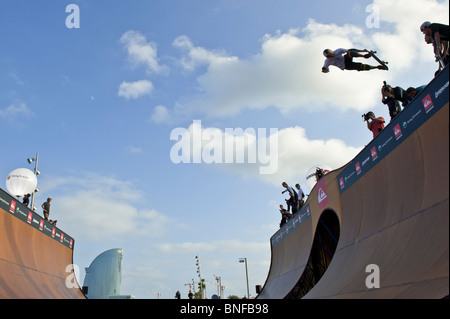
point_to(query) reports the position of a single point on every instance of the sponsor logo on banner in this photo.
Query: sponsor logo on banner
(374, 153)
(53, 232)
(397, 131)
(322, 197)
(442, 89)
(358, 168)
(41, 224)
(341, 182)
(48, 230)
(12, 207)
(364, 162)
(427, 103)
(62, 237)
(30, 217)
(71, 243)
(297, 219)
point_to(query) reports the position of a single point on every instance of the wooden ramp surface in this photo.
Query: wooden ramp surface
(34, 263)
(394, 215)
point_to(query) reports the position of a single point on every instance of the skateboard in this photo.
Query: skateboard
(383, 63)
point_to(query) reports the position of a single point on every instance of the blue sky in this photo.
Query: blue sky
(99, 103)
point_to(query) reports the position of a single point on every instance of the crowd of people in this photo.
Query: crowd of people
(435, 34)
(392, 97)
(294, 202)
(396, 98)
(296, 198)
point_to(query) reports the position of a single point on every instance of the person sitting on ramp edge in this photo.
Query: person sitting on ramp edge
(285, 215)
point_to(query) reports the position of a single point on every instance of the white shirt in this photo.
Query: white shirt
(291, 191)
(338, 60)
(300, 192)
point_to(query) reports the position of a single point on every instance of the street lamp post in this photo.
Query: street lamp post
(244, 260)
(36, 172)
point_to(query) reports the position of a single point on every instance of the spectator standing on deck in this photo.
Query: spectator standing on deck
(46, 207)
(438, 35)
(301, 195)
(293, 197)
(26, 199)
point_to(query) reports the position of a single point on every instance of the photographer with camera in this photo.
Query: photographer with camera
(388, 94)
(388, 97)
(374, 124)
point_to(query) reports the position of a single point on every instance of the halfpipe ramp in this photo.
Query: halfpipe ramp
(391, 208)
(36, 257)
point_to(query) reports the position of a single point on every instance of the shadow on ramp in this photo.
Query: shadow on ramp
(324, 246)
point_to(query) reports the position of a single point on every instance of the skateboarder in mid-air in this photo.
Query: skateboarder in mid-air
(343, 59)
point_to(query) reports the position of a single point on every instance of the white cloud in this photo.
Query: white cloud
(405, 46)
(197, 56)
(296, 154)
(161, 115)
(16, 78)
(140, 52)
(99, 208)
(286, 73)
(294, 162)
(14, 110)
(293, 155)
(133, 90)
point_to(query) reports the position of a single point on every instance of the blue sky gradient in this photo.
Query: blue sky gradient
(99, 103)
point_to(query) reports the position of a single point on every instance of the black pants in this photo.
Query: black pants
(291, 202)
(350, 65)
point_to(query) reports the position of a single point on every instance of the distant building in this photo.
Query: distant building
(104, 276)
